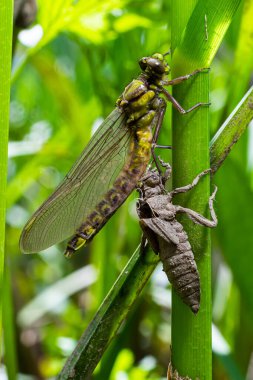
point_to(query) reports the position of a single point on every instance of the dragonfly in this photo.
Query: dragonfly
(111, 164)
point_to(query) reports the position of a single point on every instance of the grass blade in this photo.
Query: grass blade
(109, 317)
(207, 26)
(6, 11)
(10, 349)
(231, 130)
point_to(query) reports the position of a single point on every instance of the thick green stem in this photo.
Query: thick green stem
(6, 10)
(191, 335)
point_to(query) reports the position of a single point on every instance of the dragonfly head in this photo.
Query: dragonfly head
(155, 65)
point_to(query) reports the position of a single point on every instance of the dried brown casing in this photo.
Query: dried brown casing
(167, 236)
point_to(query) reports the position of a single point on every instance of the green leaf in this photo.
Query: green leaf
(87, 19)
(130, 21)
(241, 70)
(180, 20)
(10, 354)
(203, 34)
(232, 129)
(109, 317)
(235, 210)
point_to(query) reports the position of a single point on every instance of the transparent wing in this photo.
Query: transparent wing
(83, 187)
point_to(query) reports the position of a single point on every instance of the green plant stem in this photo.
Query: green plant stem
(234, 126)
(109, 317)
(6, 11)
(191, 335)
(9, 327)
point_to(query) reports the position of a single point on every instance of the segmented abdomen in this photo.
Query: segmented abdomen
(180, 267)
(138, 158)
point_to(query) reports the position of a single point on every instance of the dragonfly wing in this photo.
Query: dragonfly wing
(83, 187)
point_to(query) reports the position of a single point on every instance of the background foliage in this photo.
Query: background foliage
(69, 69)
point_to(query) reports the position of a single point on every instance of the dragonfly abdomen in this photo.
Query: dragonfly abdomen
(138, 158)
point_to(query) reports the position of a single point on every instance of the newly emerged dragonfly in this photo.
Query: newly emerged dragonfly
(109, 167)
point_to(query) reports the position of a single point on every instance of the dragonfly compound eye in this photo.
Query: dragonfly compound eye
(143, 63)
(156, 65)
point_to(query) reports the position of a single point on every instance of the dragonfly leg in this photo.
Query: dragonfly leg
(158, 119)
(155, 160)
(168, 170)
(183, 78)
(186, 188)
(200, 219)
(157, 123)
(153, 147)
(175, 103)
(162, 146)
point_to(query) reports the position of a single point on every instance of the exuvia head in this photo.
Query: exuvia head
(155, 65)
(151, 179)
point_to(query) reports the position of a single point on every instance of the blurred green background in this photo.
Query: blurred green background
(68, 70)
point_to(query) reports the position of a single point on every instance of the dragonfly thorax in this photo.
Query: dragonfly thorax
(140, 99)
